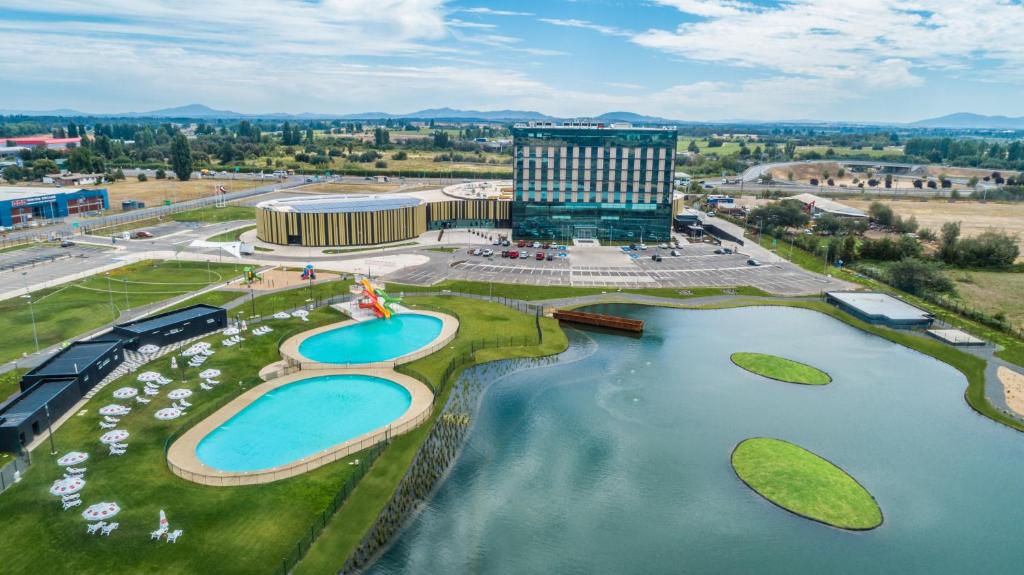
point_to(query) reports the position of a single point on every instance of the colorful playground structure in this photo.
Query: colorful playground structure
(251, 275)
(375, 298)
(308, 273)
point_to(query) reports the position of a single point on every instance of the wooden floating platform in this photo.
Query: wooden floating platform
(600, 320)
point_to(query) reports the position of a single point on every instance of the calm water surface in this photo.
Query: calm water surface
(619, 462)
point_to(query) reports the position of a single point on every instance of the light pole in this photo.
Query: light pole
(110, 296)
(49, 429)
(32, 312)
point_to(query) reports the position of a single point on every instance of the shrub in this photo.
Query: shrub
(142, 177)
(161, 174)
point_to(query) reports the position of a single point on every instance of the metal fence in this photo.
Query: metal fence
(11, 472)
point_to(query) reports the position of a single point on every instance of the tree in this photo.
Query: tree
(693, 148)
(381, 137)
(142, 177)
(949, 237)
(15, 173)
(917, 276)
(989, 249)
(181, 157)
(43, 166)
(881, 214)
(787, 213)
(400, 155)
(918, 183)
(81, 160)
(160, 174)
(888, 181)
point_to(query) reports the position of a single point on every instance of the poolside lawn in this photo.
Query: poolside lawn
(67, 311)
(804, 483)
(780, 368)
(479, 320)
(239, 530)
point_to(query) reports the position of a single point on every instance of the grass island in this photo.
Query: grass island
(805, 484)
(780, 368)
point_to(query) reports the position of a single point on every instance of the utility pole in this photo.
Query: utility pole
(110, 296)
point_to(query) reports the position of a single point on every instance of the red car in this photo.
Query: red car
(513, 254)
(522, 243)
(143, 235)
(540, 256)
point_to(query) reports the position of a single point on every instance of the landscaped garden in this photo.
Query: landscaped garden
(780, 368)
(804, 483)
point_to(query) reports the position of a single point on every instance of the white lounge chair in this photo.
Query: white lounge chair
(150, 391)
(119, 445)
(173, 535)
(109, 419)
(69, 504)
(109, 528)
(106, 425)
(73, 475)
(140, 399)
(212, 381)
(206, 386)
(184, 403)
(77, 470)
(94, 527)
(118, 451)
(72, 497)
(158, 533)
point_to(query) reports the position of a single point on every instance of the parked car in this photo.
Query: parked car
(488, 253)
(536, 245)
(720, 251)
(641, 246)
(676, 253)
(477, 252)
(504, 253)
(141, 235)
(513, 254)
(521, 243)
(663, 246)
(524, 255)
(656, 257)
(67, 244)
(711, 214)
(540, 256)
(551, 256)
(496, 243)
(753, 262)
(506, 243)
(547, 245)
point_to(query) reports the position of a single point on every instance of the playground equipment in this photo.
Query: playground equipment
(375, 298)
(308, 273)
(251, 275)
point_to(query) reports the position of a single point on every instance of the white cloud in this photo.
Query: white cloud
(492, 12)
(574, 23)
(710, 7)
(457, 23)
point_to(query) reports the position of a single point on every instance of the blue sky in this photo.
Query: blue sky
(854, 60)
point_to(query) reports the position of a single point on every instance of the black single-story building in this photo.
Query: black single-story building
(171, 327)
(87, 362)
(880, 309)
(27, 416)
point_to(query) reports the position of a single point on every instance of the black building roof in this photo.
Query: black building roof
(27, 404)
(74, 359)
(168, 318)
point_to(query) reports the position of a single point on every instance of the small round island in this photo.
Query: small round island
(780, 368)
(805, 484)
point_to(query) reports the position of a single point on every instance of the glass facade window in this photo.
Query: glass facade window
(585, 220)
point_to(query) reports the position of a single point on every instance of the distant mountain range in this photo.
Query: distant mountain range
(966, 120)
(962, 120)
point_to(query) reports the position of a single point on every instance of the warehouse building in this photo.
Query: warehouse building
(880, 309)
(352, 220)
(20, 205)
(171, 327)
(32, 412)
(590, 180)
(85, 362)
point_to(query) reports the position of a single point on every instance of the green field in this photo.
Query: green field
(216, 298)
(9, 383)
(780, 368)
(67, 311)
(216, 215)
(530, 293)
(804, 483)
(846, 151)
(992, 292)
(230, 236)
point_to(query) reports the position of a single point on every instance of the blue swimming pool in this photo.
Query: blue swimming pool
(301, 418)
(374, 340)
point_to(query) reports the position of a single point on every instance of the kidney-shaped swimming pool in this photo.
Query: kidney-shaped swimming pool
(302, 418)
(373, 340)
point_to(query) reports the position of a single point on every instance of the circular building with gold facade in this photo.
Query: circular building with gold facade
(367, 219)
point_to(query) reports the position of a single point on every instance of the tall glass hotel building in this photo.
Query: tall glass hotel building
(589, 180)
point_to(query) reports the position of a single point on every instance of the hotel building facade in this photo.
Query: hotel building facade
(590, 180)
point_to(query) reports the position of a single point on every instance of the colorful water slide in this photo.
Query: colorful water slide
(378, 306)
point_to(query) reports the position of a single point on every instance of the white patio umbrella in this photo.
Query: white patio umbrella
(114, 409)
(163, 521)
(72, 458)
(104, 510)
(67, 486)
(148, 376)
(179, 393)
(167, 413)
(281, 315)
(148, 349)
(114, 436)
(126, 393)
(231, 331)
(209, 373)
(300, 313)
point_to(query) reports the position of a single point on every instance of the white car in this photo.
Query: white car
(477, 252)
(488, 253)
(663, 246)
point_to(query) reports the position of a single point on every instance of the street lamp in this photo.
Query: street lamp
(49, 429)
(110, 296)
(32, 312)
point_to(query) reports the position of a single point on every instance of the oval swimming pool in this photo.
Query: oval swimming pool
(373, 340)
(301, 418)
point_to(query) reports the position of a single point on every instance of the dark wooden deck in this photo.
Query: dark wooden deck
(600, 320)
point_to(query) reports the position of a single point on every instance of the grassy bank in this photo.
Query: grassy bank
(227, 530)
(804, 483)
(216, 215)
(479, 320)
(780, 368)
(530, 292)
(10, 383)
(66, 311)
(230, 236)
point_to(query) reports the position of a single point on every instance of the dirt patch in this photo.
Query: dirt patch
(974, 217)
(1013, 389)
(936, 171)
(278, 279)
(804, 172)
(154, 192)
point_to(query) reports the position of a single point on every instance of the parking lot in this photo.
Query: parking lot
(36, 256)
(698, 266)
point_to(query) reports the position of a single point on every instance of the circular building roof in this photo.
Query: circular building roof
(338, 203)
